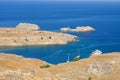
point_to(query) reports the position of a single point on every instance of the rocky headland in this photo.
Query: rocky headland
(97, 67)
(30, 34)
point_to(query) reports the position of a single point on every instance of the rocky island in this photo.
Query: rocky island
(97, 67)
(78, 29)
(30, 34)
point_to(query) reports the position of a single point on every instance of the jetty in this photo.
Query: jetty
(30, 34)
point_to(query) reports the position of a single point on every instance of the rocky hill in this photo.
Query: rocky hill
(101, 67)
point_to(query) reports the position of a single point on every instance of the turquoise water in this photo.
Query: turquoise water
(103, 16)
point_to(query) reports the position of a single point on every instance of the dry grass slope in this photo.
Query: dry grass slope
(102, 67)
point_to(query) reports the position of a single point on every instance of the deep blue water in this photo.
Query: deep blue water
(103, 16)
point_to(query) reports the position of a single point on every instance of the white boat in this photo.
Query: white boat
(97, 52)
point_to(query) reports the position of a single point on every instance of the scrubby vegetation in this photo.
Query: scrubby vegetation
(89, 78)
(77, 58)
(45, 66)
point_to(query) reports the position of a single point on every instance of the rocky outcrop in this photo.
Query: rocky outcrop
(25, 35)
(85, 29)
(78, 29)
(27, 26)
(18, 75)
(100, 67)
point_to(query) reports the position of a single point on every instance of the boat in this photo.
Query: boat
(97, 52)
(68, 59)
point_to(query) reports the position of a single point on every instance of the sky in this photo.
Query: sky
(59, 0)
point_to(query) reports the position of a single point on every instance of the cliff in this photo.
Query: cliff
(102, 67)
(29, 34)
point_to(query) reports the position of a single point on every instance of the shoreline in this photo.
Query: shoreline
(91, 56)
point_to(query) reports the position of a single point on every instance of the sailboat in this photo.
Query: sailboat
(68, 58)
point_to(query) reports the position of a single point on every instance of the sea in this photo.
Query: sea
(52, 15)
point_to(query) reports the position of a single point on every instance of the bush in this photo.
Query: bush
(77, 58)
(89, 78)
(45, 66)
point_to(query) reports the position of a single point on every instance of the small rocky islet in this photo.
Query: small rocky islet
(78, 29)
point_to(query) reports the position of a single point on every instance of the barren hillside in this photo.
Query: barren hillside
(102, 67)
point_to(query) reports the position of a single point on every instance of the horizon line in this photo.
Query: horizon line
(60, 1)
